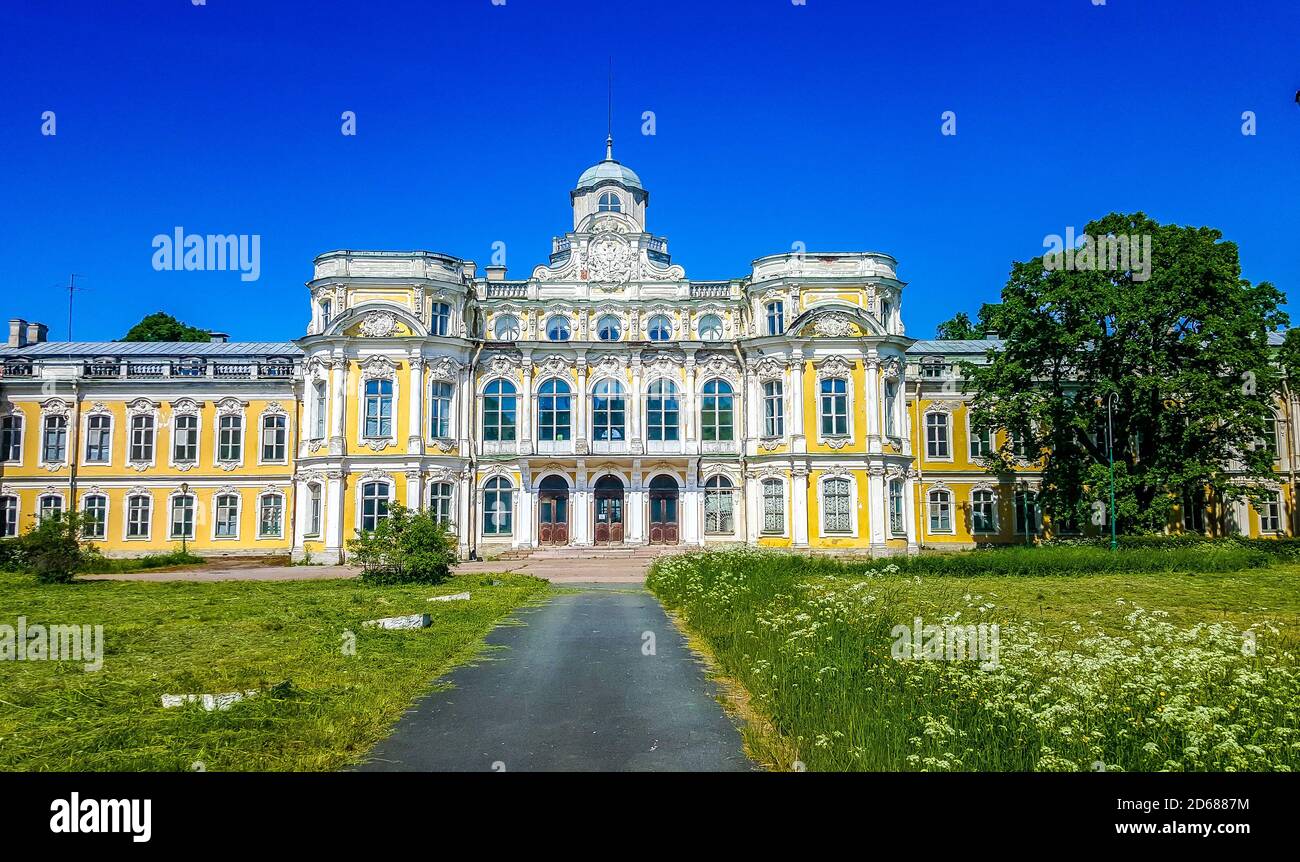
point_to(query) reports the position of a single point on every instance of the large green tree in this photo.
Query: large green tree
(1182, 355)
(161, 326)
(961, 328)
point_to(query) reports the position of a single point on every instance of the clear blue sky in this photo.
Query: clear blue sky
(776, 123)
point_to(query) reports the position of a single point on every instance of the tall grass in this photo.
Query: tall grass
(811, 640)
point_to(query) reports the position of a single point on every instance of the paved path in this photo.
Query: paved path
(572, 691)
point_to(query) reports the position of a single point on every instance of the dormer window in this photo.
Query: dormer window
(610, 203)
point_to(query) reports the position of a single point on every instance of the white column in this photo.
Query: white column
(465, 488)
(580, 513)
(526, 409)
(799, 505)
(635, 509)
(338, 403)
(798, 440)
(636, 432)
(753, 512)
(300, 496)
(692, 511)
(878, 506)
(526, 519)
(871, 391)
(580, 414)
(333, 515)
(415, 419)
(414, 490)
(690, 434)
(910, 485)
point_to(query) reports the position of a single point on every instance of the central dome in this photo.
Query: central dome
(609, 169)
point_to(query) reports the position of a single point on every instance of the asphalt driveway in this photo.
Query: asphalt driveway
(597, 680)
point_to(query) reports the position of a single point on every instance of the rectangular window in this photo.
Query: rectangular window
(773, 506)
(1026, 506)
(141, 439)
(897, 524)
(99, 439)
(440, 502)
(440, 410)
(230, 438)
(270, 516)
(182, 517)
(940, 512)
(891, 409)
(1194, 511)
(983, 512)
(139, 508)
(54, 446)
(981, 442)
(227, 523)
(274, 436)
(50, 507)
(1270, 514)
(11, 438)
(936, 435)
(94, 517)
(775, 318)
(318, 409)
(379, 409)
(1270, 442)
(773, 409)
(835, 506)
(185, 439)
(313, 510)
(8, 517)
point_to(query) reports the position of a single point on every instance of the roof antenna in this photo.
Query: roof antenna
(609, 115)
(72, 289)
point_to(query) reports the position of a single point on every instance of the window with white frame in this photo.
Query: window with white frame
(608, 411)
(981, 442)
(440, 320)
(49, 506)
(836, 500)
(660, 328)
(1270, 441)
(719, 506)
(834, 407)
(99, 438)
(54, 440)
(609, 203)
(313, 509)
(710, 328)
(182, 517)
(440, 497)
(11, 437)
(983, 512)
(609, 328)
(275, 438)
(139, 511)
(319, 412)
(717, 412)
(940, 511)
(270, 516)
(775, 317)
(1270, 513)
(374, 504)
(185, 438)
(440, 409)
(8, 516)
(897, 523)
(379, 409)
(886, 314)
(663, 411)
(558, 328)
(230, 438)
(773, 408)
(936, 435)
(500, 401)
(506, 328)
(498, 511)
(94, 516)
(326, 310)
(891, 408)
(773, 506)
(141, 438)
(226, 524)
(1026, 512)
(554, 411)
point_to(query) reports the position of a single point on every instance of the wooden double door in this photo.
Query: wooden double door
(664, 502)
(609, 499)
(553, 512)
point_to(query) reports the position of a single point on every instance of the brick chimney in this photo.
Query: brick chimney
(17, 332)
(37, 333)
(495, 273)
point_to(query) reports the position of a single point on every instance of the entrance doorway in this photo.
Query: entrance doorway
(553, 511)
(609, 511)
(664, 494)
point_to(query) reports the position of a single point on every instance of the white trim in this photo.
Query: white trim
(108, 505)
(239, 513)
(364, 480)
(940, 488)
(96, 411)
(947, 433)
(131, 494)
(54, 407)
(230, 407)
(284, 506)
(185, 407)
(997, 521)
(13, 494)
(22, 435)
(836, 366)
(377, 366)
(837, 475)
(784, 484)
(274, 408)
(174, 495)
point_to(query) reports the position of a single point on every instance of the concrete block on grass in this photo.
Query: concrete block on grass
(413, 621)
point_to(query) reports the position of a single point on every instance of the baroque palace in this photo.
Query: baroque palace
(607, 399)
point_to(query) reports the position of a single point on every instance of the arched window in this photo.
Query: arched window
(773, 506)
(891, 409)
(662, 411)
(374, 504)
(710, 328)
(270, 516)
(983, 512)
(609, 328)
(936, 435)
(318, 408)
(609, 203)
(497, 507)
(940, 511)
(717, 409)
(719, 506)
(835, 407)
(554, 411)
(1025, 504)
(837, 497)
(775, 317)
(226, 525)
(313, 510)
(660, 328)
(440, 495)
(440, 319)
(499, 406)
(49, 506)
(141, 449)
(440, 409)
(608, 411)
(94, 516)
(507, 328)
(558, 328)
(379, 409)
(897, 524)
(99, 439)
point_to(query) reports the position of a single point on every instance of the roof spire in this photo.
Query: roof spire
(609, 115)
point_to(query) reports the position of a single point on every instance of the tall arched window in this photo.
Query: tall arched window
(440, 409)
(313, 510)
(499, 407)
(11, 437)
(554, 411)
(558, 328)
(497, 507)
(609, 328)
(773, 506)
(226, 523)
(609, 203)
(182, 519)
(940, 511)
(773, 408)
(374, 504)
(710, 328)
(8, 516)
(662, 411)
(719, 506)
(440, 321)
(608, 411)
(835, 407)
(54, 443)
(717, 410)
(660, 328)
(270, 516)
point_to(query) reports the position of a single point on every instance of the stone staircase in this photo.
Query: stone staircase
(595, 552)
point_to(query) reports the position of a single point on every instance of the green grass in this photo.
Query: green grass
(98, 564)
(179, 638)
(1138, 670)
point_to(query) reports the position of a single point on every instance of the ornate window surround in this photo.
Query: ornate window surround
(837, 473)
(997, 521)
(377, 366)
(55, 407)
(224, 491)
(836, 367)
(132, 493)
(185, 407)
(98, 408)
(273, 408)
(230, 407)
(944, 409)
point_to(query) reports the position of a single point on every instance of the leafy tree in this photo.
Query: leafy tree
(52, 549)
(1288, 357)
(960, 327)
(407, 547)
(161, 326)
(1183, 355)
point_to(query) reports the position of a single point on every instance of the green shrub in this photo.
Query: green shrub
(405, 548)
(52, 549)
(96, 563)
(12, 558)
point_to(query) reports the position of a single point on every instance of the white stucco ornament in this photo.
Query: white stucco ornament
(379, 324)
(834, 326)
(609, 259)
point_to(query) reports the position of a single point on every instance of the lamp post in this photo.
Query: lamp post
(1110, 455)
(185, 491)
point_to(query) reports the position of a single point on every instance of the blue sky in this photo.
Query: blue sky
(776, 123)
